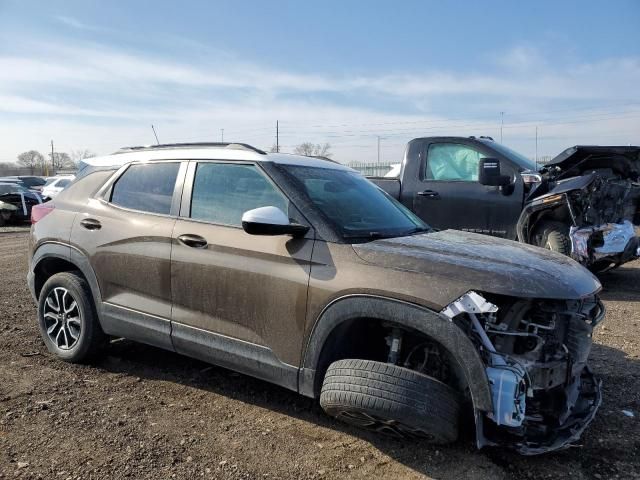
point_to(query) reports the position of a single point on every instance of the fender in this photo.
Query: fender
(524, 226)
(432, 324)
(72, 255)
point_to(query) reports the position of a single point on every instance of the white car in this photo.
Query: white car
(394, 172)
(56, 184)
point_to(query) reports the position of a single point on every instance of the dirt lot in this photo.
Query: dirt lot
(146, 413)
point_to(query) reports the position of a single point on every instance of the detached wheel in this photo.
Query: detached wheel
(68, 320)
(554, 236)
(389, 399)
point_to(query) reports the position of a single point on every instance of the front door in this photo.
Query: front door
(239, 300)
(449, 195)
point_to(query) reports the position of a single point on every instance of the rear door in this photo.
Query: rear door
(125, 233)
(448, 194)
(239, 300)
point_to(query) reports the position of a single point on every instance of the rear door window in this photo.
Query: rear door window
(222, 192)
(146, 187)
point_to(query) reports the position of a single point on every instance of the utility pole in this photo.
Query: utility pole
(222, 135)
(46, 167)
(501, 124)
(378, 149)
(155, 134)
(277, 137)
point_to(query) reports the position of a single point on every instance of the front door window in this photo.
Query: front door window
(452, 162)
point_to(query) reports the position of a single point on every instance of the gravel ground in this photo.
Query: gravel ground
(145, 413)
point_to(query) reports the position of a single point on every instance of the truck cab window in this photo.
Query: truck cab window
(452, 162)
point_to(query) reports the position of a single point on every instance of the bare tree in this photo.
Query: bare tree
(79, 155)
(60, 161)
(314, 150)
(31, 159)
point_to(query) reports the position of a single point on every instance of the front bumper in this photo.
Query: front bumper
(614, 242)
(580, 414)
(569, 432)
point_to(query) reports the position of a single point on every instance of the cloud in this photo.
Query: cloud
(96, 97)
(77, 24)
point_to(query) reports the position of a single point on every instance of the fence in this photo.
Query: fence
(375, 169)
(372, 169)
(11, 169)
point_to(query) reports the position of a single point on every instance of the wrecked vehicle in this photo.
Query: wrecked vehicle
(16, 203)
(585, 203)
(301, 272)
(595, 191)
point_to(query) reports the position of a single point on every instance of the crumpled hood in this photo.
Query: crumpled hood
(483, 263)
(576, 160)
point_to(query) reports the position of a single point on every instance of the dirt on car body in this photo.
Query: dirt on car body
(145, 413)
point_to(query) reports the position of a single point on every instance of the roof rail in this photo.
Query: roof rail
(232, 146)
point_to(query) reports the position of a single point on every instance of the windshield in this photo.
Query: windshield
(518, 158)
(355, 206)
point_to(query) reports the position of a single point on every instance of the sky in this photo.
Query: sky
(96, 75)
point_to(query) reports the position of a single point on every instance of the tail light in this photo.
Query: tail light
(38, 212)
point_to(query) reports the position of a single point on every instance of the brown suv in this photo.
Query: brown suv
(301, 272)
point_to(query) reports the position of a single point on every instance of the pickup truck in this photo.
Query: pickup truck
(584, 203)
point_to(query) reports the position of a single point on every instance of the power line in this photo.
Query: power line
(487, 117)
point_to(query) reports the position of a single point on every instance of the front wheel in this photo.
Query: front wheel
(389, 399)
(553, 236)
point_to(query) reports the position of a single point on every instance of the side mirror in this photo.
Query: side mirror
(270, 221)
(489, 173)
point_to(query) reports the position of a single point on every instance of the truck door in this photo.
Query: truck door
(448, 194)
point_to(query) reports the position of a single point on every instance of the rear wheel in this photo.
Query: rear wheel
(68, 320)
(554, 236)
(389, 399)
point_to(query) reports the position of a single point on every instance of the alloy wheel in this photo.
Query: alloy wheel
(382, 425)
(62, 318)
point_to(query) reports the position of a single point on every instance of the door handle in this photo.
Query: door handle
(91, 224)
(193, 241)
(429, 194)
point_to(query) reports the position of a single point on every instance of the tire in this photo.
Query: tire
(68, 321)
(4, 218)
(603, 266)
(554, 236)
(389, 399)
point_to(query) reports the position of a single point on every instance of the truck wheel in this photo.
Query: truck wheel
(68, 320)
(554, 236)
(389, 399)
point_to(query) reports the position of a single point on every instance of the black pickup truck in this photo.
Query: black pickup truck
(584, 203)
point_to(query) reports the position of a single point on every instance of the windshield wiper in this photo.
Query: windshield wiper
(369, 235)
(418, 230)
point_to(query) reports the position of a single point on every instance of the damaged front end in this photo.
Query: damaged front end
(596, 192)
(535, 352)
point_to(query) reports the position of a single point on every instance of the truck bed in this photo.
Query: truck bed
(389, 185)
